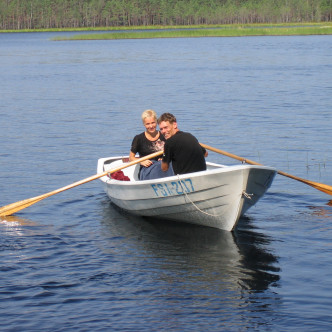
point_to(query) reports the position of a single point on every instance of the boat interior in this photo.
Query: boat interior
(132, 171)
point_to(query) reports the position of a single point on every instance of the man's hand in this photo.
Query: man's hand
(164, 166)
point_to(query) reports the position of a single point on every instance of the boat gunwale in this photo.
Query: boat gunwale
(219, 169)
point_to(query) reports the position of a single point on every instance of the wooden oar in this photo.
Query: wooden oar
(8, 210)
(319, 186)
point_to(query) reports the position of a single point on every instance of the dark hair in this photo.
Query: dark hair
(167, 117)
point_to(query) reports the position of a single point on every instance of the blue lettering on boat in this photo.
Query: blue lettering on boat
(173, 188)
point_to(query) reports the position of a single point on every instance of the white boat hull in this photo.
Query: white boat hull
(214, 198)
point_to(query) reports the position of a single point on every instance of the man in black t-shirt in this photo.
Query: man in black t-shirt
(181, 148)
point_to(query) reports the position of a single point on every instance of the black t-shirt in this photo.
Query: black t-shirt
(144, 147)
(185, 153)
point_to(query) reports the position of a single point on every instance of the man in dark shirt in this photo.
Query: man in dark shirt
(181, 149)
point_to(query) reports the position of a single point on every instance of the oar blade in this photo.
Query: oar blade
(323, 187)
(10, 209)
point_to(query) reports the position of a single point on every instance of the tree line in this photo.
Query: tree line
(45, 14)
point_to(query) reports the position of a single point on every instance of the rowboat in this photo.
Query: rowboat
(217, 197)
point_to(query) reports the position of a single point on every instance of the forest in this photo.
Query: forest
(60, 14)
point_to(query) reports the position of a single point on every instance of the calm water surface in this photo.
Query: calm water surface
(75, 262)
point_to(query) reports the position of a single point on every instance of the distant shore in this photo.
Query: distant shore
(231, 30)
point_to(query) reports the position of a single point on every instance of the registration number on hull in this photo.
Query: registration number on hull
(179, 187)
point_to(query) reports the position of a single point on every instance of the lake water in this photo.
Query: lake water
(75, 262)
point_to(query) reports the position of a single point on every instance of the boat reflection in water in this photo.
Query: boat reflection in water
(201, 260)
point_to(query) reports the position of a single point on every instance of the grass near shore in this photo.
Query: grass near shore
(209, 31)
(230, 30)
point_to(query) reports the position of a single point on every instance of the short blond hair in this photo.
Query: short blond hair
(149, 114)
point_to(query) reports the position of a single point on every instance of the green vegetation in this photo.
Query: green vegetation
(227, 31)
(64, 14)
